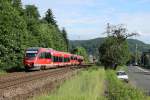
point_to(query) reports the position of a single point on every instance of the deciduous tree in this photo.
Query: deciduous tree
(114, 50)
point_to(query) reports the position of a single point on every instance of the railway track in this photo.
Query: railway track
(15, 79)
(31, 82)
(23, 75)
(13, 82)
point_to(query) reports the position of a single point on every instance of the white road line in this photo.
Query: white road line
(144, 70)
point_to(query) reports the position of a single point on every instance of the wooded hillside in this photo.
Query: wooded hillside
(92, 45)
(22, 27)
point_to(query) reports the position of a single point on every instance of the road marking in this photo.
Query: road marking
(144, 70)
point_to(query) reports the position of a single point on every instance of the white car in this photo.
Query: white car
(122, 75)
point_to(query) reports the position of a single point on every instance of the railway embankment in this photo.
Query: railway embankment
(25, 85)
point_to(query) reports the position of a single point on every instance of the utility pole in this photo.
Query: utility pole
(136, 54)
(108, 29)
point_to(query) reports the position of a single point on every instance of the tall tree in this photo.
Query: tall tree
(115, 50)
(49, 18)
(33, 24)
(13, 35)
(113, 53)
(17, 4)
(64, 33)
(31, 11)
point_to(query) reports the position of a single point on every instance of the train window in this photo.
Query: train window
(60, 59)
(47, 55)
(55, 59)
(68, 59)
(72, 58)
(75, 58)
(42, 55)
(64, 59)
(31, 55)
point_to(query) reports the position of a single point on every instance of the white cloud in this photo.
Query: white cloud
(87, 18)
(136, 22)
(139, 22)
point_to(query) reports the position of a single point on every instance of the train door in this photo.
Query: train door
(44, 59)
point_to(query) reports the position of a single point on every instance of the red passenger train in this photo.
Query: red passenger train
(37, 58)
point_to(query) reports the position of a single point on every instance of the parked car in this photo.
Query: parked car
(123, 76)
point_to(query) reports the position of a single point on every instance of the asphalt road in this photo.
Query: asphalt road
(139, 77)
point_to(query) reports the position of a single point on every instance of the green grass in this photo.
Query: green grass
(87, 85)
(2, 72)
(118, 90)
(90, 85)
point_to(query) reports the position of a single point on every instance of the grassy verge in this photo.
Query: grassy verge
(88, 85)
(117, 90)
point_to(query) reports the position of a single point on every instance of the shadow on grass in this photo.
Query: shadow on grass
(15, 69)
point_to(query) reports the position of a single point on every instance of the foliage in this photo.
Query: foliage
(92, 45)
(87, 85)
(21, 28)
(113, 52)
(81, 51)
(64, 33)
(17, 5)
(117, 90)
(31, 11)
(49, 18)
(145, 60)
(12, 36)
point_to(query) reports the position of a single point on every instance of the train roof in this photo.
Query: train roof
(37, 48)
(33, 48)
(54, 52)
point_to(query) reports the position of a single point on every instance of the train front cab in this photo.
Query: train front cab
(30, 58)
(39, 59)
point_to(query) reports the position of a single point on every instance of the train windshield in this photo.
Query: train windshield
(31, 54)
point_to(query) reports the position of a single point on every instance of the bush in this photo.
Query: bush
(117, 90)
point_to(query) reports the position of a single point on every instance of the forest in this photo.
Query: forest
(22, 27)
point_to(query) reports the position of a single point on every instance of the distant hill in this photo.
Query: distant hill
(92, 45)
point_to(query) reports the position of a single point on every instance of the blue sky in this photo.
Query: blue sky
(87, 19)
